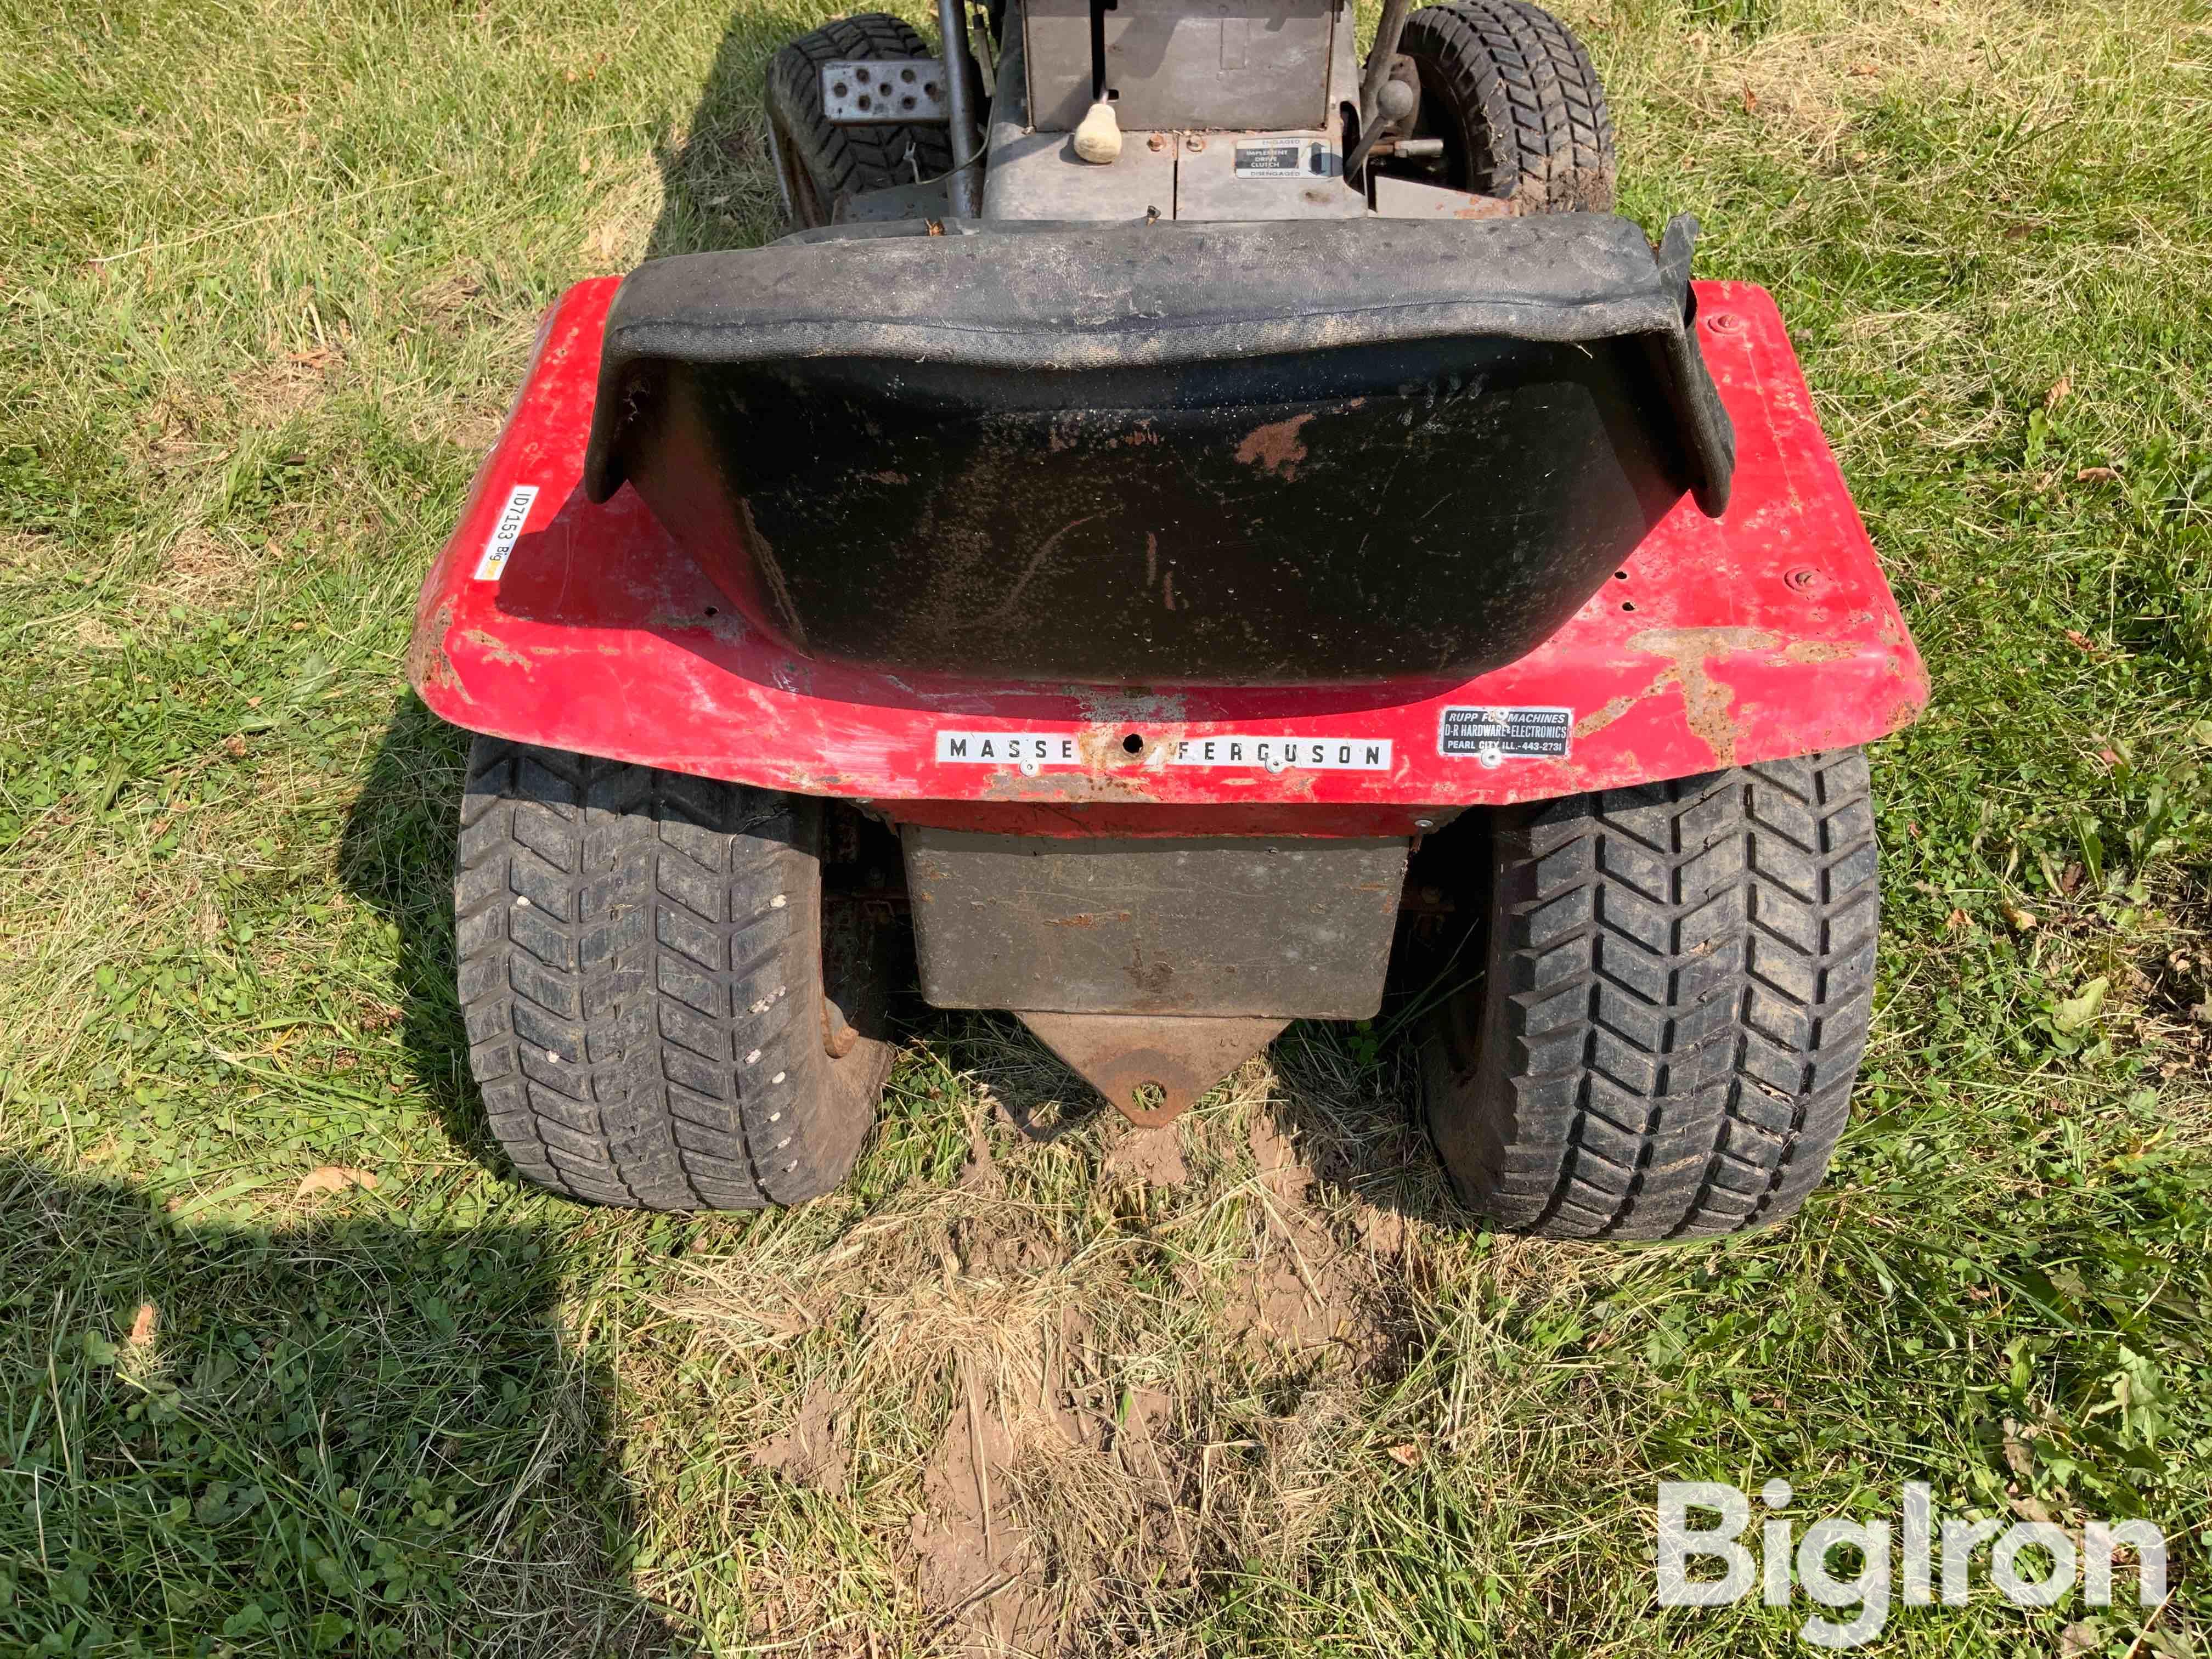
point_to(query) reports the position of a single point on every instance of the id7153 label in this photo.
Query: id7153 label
(505, 531)
(1494, 736)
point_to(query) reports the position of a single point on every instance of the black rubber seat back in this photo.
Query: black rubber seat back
(1240, 453)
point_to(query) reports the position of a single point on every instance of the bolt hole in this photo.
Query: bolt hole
(907, 75)
(907, 102)
(929, 89)
(840, 89)
(861, 75)
(1620, 575)
(1132, 745)
(712, 611)
(1148, 1096)
(864, 100)
(1628, 605)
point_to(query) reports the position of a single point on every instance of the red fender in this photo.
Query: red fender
(1770, 634)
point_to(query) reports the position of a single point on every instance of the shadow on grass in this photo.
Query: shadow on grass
(347, 1435)
(396, 856)
(718, 183)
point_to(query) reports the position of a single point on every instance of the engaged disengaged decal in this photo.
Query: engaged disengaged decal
(1273, 753)
(1494, 736)
(506, 533)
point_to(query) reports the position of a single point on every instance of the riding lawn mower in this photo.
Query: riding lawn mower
(1190, 532)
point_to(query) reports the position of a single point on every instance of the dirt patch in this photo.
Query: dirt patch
(811, 1449)
(1307, 1291)
(1310, 1297)
(1153, 1157)
(971, 1555)
(1276, 1157)
(980, 1174)
(1385, 1232)
(454, 301)
(202, 567)
(271, 393)
(1093, 1440)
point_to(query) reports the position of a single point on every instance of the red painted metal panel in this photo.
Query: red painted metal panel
(1770, 634)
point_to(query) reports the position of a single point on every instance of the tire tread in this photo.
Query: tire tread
(1531, 111)
(1678, 991)
(642, 1014)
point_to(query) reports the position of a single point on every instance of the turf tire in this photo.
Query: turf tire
(640, 976)
(1516, 101)
(1678, 985)
(818, 165)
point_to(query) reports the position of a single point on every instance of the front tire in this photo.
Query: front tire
(820, 165)
(1517, 103)
(1678, 988)
(640, 974)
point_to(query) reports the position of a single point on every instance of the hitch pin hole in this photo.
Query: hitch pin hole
(1132, 745)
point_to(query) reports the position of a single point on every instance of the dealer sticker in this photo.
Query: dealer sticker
(1266, 751)
(506, 533)
(1494, 736)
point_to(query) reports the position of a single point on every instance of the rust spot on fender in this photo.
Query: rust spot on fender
(1598, 719)
(1066, 787)
(497, 650)
(1276, 447)
(1707, 706)
(428, 667)
(1819, 650)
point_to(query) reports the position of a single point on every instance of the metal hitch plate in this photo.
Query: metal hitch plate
(1149, 1069)
(884, 91)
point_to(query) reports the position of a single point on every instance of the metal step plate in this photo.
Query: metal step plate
(884, 92)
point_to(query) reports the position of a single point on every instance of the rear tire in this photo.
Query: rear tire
(1679, 983)
(818, 165)
(1516, 101)
(641, 973)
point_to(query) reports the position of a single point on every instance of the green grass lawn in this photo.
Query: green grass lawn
(268, 274)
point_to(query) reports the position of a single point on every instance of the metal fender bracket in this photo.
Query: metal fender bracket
(884, 92)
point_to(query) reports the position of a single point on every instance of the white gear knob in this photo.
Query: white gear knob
(1098, 136)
